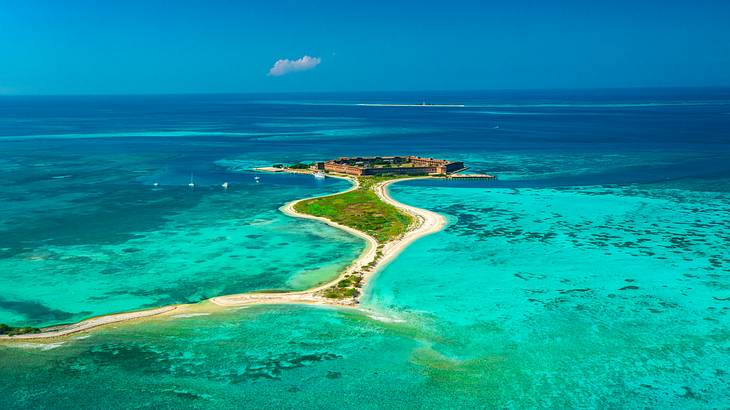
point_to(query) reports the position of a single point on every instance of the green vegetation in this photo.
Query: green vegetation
(299, 165)
(346, 288)
(12, 331)
(360, 209)
(341, 293)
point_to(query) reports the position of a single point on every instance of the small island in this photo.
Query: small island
(387, 166)
(365, 210)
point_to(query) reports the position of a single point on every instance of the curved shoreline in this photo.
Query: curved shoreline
(425, 223)
(308, 296)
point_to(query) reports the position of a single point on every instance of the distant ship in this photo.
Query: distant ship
(319, 175)
(225, 185)
(192, 183)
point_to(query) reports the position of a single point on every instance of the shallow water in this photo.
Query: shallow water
(592, 274)
(251, 358)
(586, 296)
(108, 248)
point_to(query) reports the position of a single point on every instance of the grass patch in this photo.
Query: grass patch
(361, 209)
(341, 293)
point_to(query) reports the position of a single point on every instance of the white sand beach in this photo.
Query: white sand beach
(425, 223)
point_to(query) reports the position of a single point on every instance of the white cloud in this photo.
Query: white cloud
(286, 66)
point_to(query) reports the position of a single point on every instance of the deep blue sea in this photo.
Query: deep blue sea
(594, 273)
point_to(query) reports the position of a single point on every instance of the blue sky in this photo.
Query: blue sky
(98, 47)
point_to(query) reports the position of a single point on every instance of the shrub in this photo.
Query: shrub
(12, 331)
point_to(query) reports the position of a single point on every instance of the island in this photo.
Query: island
(365, 210)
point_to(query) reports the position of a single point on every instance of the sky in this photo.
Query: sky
(213, 46)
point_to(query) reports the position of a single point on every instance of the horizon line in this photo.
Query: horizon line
(475, 90)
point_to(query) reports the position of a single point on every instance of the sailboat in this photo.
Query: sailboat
(225, 185)
(192, 183)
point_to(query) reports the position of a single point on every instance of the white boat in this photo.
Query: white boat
(257, 178)
(319, 175)
(156, 184)
(225, 185)
(192, 183)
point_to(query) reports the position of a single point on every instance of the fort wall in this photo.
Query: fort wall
(358, 166)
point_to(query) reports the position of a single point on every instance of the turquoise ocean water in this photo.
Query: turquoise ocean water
(104, 251)
(593, 274)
